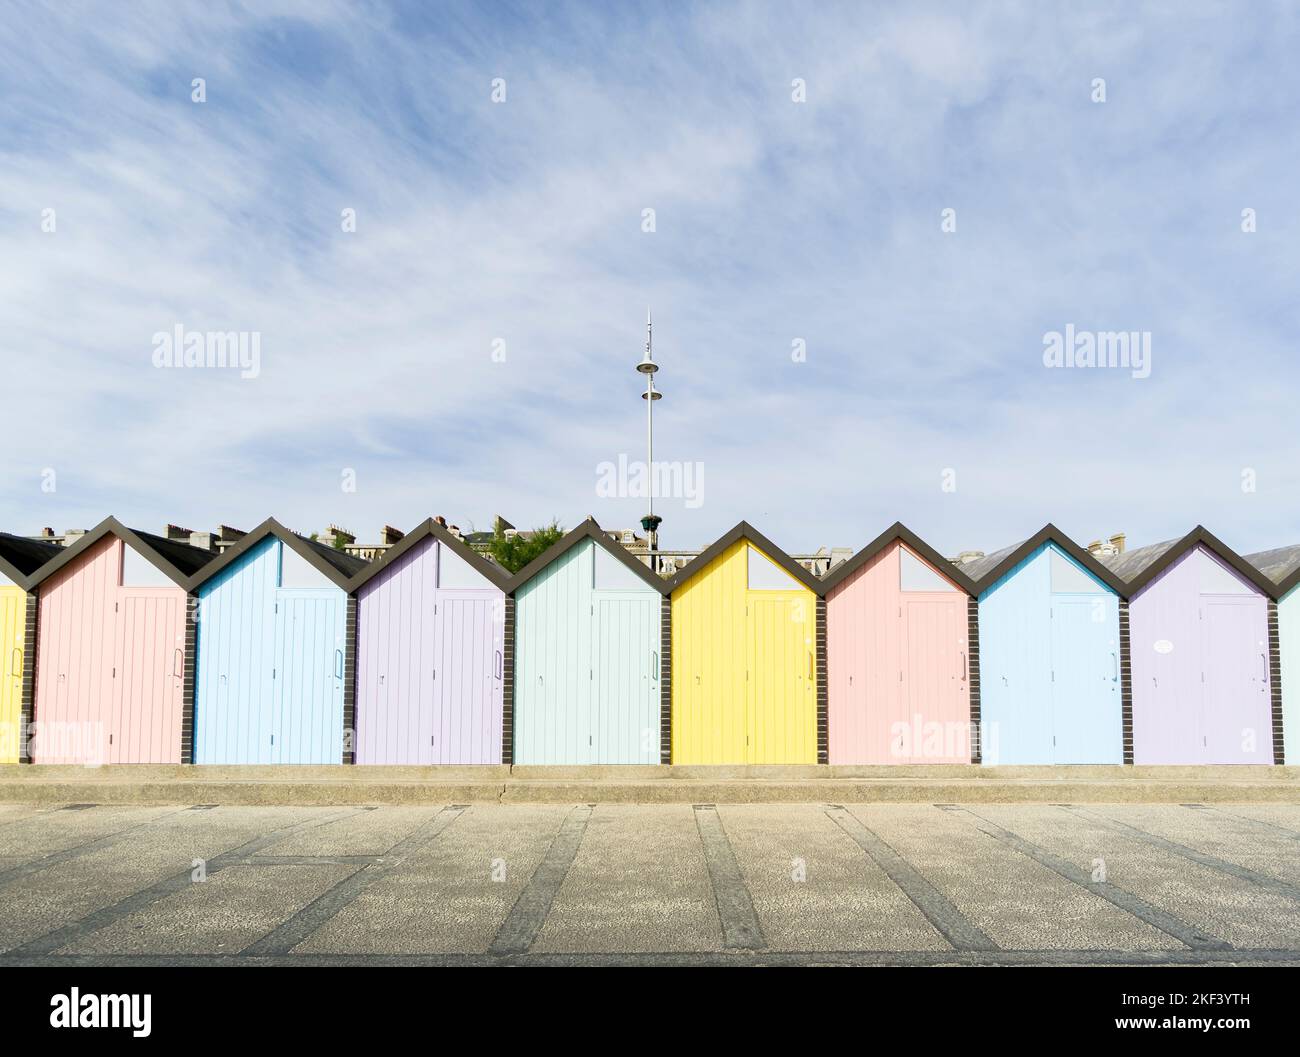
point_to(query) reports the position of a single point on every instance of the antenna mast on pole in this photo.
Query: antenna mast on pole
(648, 367)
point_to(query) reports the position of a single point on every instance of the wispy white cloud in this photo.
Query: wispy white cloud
(521, 221)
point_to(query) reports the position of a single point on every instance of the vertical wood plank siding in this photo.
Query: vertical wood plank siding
(586, 690)
(898, 665)
(1050, 655)
(1200, 636)
(112, 664)
(430, 658)
(272, 664)
(744, 666)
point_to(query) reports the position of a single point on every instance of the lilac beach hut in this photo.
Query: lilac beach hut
(1202, 681)
(431, 653)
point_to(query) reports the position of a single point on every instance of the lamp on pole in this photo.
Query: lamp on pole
(648, 367)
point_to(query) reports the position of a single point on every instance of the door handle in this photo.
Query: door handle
(810, 667)
(16, 660)
(964, 670)
(498, 663)
(655, 667)
(178, 663)
(338, 664)
(1114, 661)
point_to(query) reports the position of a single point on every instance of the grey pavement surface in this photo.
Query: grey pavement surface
(651, 884)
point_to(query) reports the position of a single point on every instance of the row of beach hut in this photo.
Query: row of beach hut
(127, 647)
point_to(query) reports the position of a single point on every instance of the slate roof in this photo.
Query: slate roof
(1139, 567)
(981, 567)
(22, 556)
(337, 566)
(1281, 565)
(992, 567)
(187, 559)
(1131, 564)
(177, 561)
(347, 564)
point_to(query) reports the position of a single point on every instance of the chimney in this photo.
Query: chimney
(229, 535)
(180, 535)
(440, 520)
(47, 533)
(389, 535)
(204, 541)
(72, 535)
(335, 536)
(1109, 549)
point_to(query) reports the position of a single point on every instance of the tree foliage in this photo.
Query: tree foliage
(514, 552)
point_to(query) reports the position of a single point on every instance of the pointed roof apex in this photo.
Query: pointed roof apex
(177, 561)
(898, 531)
(337, 566)
(1137, 568)
(493, 573)
(744, 530)
(589, 529)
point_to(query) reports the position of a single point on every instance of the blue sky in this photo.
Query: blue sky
(774, 221)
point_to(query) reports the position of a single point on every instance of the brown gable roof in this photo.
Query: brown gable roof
(592, 531)
(989, 572)
(1138, 568)
(746, 531)
(491, 571)
(335, 565)
(898, 531)
(177, 561)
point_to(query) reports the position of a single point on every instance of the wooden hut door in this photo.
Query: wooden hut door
(308, 714)
(1236, 716)
(465, 722)
(935, 678)
(625, 682)
(781, 688)
(147, 678)
(1085, 704)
